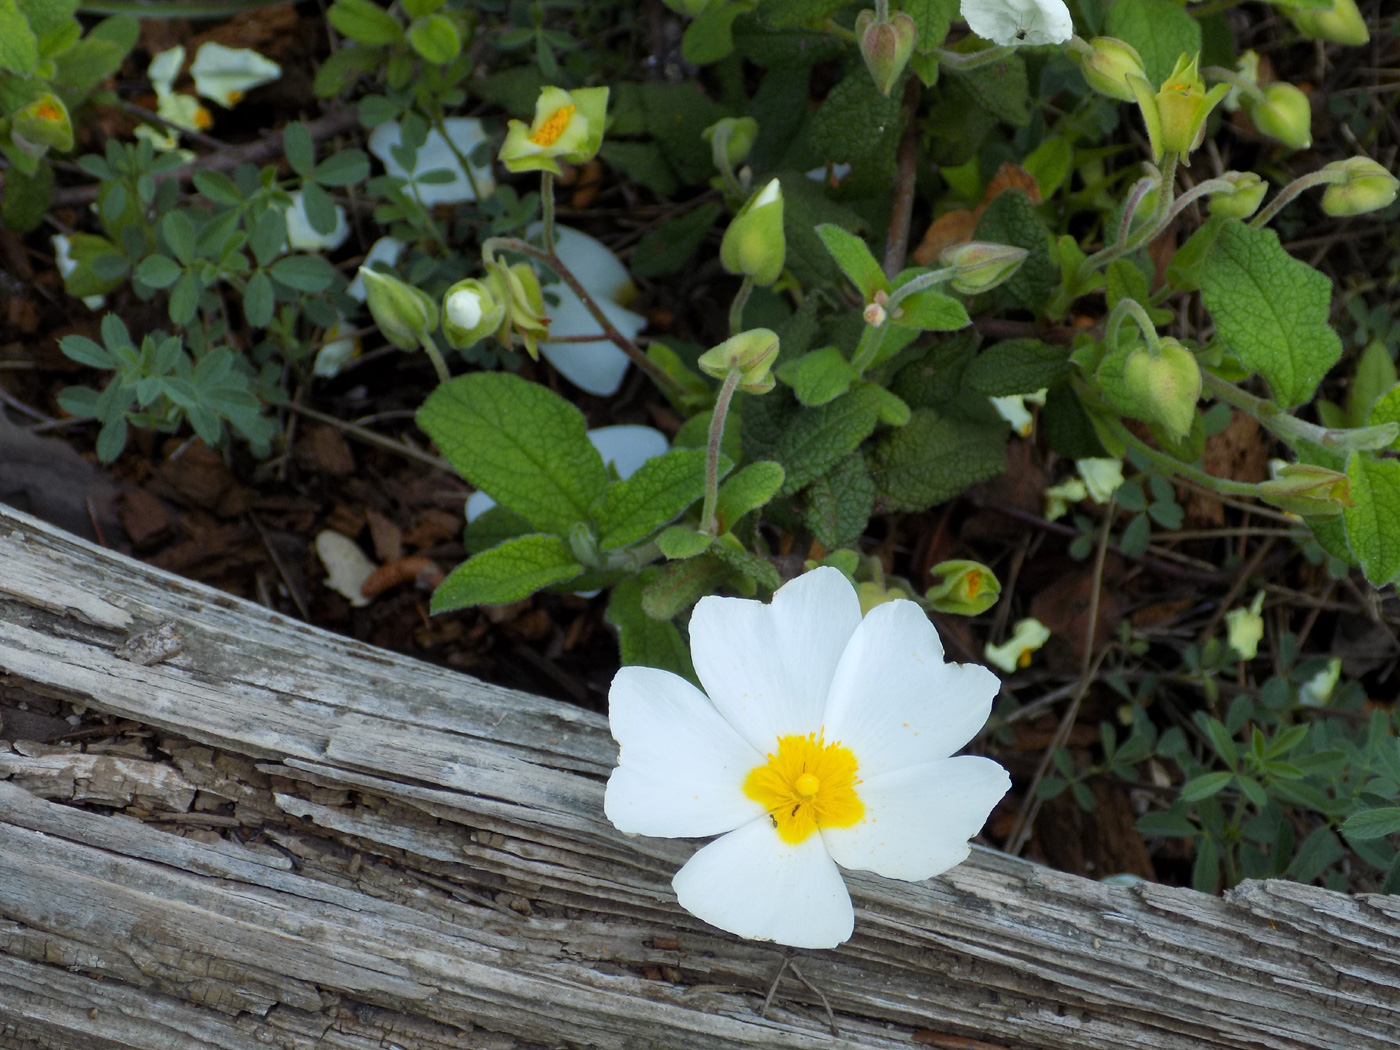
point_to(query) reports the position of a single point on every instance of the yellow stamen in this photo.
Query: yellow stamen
(974, 583)
(1024, 660)
(548, 132)
(808, 784)
(234, 97)
(202, 119)
(48, 111)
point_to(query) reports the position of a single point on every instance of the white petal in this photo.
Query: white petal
(918, 819)
(601, 273)
(386, 250)
(627, 446)
(467, 133)
(1019, 21)
(894, 702)
(681, 769)
(596, 366)
(304, 238)
(752, 883)
(768, 668)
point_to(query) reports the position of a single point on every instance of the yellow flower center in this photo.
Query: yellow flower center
(1024, 660)
(553, 126)
(203, 120)
(48, 111)
(808, 784)
(235, 97)
(974, 583)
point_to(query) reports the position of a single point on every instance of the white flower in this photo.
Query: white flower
(1102, 476)
(1018, 22)
(1245, 628)
(594, 365)
(386, 250)
(466, 133)
(226, 74)
(824, 739)
(302, 236)
(1015, 653)
(63, 259)
(1012, 408)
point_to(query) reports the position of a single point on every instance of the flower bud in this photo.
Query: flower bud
(1284, 114)
(568, 125)
(754, 244)
(471, 311)
(1359, 185)
(1242, 199)
(1176, 115)
(42, 125)
(1165, 383)
(1245, 628)
(731, 139)
(981, 265)
(752, 352)
(1308, 491)
(1341, 25)
(886, 46)
(1015, 653)
(871, 593)
(1107, 64)
(968, 588)
(517, 288)
(405, 315)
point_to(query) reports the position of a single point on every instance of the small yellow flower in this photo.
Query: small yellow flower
(568, 125)
(1015, 653)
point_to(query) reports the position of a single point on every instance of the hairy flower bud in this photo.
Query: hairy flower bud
(1359, 185)
(731, 139)
(1107, 64)
(1308, 491)
(1242, 199)
(968, 588)
(1341, 25)
(471, 310)
(1283, 114)
(1176, 115)
(981, 265)
(754, 244)
(752, 352)
(405, 315)
(42, 125)
(517, 288)
(886, 46)
(1165, 383)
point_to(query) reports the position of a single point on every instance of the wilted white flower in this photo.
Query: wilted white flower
(821, 739)
(1015, 653)
(1102, 475)
(1245, 628)
(1018, 22)
(226, 74)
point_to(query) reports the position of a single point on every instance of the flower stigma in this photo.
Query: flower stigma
(806, 785)
(553, 126)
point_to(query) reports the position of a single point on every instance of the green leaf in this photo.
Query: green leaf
(820, 376)
(27, 197)
(436, 39)
(1168, 823)
(1271, 310)
(1012, 219)
(1017, 366)
(854, 121)
(806, 207)
(300, 151)
(86, 352)
(681, 542)
(644, 641)
(710, 36)
(1205, 785)
(746, 564)
(1372, 823)
(1000, 88)
(305, 273)
(1320, 849)
(934, 458)
(787, 14)
(932, 19)
(365, 22)
(676, 114)
(1371, 522)
(853, 255)
(342, 168)
(159, 271)
(178, 230)
(643, 163)
(661, 489)
(1386, 410)
(514, 570)
(839, 503)
(667, 248)
(678, 585)
(930, 311)
(19, 48)
(258, 300)
(807, 441)
(747, 490)
(184, 299)
(520, 442)
(1159, 29)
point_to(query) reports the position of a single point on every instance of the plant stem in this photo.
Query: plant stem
(547, 210)
(1161, 218)
(736, 308)
(708, 523)
(1131, 308)
(435, 356)
(1170, 466)
(1229, 76)
(1285, 196)
(963, 63)
(1291, 429)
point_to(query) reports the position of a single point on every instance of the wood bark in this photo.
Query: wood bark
(299, 841)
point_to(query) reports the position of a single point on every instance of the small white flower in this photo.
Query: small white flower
(1317, 690)
(1058, 498)
(63, 259)
(466, 133)
(1245, 628)
(1102, 475)
(1012, 408)
(821, 739)
(226, 74)
(1015, 653)
(594, 365)
(1017, 22)
(386, 250)
(347, 566)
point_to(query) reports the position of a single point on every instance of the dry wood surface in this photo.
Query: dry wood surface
(291, 839)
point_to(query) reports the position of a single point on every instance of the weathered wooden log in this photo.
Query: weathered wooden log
(307, 842)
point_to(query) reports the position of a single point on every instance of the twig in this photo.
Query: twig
(902, 207)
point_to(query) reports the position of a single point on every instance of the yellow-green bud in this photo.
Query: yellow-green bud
(1165, 383)
(968, 588)
(871, 593)
(731, 139)
(1359, 185)
(405, 315)
(1283, 114)
(42, 125)
(754, 244)
(518, 289)
(471, 310)
(1308, 491)
(1243, 198)
(1176, 115)
(1107, 64)
(752, 352)
(886, 46)
(981, 265)
(1341, 25)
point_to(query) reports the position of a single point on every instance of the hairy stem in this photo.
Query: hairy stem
(708, 522)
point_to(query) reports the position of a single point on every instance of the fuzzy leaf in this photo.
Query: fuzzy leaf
(934, 458)
(1016, 366)
(751, 488)
(1371, 521)
(506, 573)
(654, 496)
(643, 640)
(853, 255)
(839, 503)
(1159, 29)
(807, 442)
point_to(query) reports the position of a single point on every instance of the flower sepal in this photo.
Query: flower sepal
(968, 588)
(406, 316)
